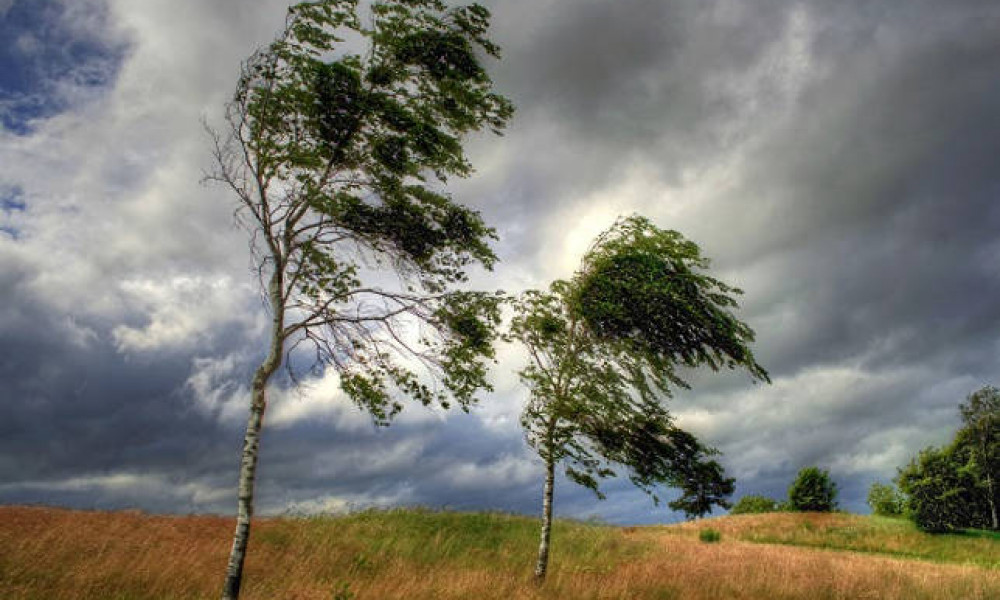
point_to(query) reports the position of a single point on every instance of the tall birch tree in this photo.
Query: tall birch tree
(337, 145)
(605, 349)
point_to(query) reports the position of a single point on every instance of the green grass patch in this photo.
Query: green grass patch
(468, 540)
(709, 535)
(890, 536)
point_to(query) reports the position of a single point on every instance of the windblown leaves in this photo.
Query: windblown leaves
(604, 349)
(344, 131)
(642, 287)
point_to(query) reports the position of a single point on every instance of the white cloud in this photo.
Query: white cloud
(393, 457)
(217, 389)
(26, 44)
(503, 472)
(845, 416)
(317, 399)
(135, 486)
(182, 312)
(338, 505)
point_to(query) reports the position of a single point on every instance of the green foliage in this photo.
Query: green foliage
(338, 159)
(642, 289)
(954, 487)
(980, 434)
(813, 490)
(885, 500)
(597, 374)
(942, 494)
(679, 460)
(752, 504)
(484, 540)
(709, 535)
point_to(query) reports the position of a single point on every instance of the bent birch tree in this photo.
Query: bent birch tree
(337, 144)
(604, 349)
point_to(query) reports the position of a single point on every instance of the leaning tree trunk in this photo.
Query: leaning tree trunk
(251, 445)
(543, 547)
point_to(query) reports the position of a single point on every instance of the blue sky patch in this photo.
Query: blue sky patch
(46, 59)
(12, 199)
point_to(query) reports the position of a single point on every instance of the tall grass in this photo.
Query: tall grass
(60, 554)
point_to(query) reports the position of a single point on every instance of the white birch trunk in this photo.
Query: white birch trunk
(543, 548)
(251, 445)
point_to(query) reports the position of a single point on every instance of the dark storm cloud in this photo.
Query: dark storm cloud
(836, 160)
(601, 86)
(78, 407)
(83, 424)
(634, 75)
(883, 234)
(862, 219)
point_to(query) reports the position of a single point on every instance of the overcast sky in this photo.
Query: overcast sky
(836, 160)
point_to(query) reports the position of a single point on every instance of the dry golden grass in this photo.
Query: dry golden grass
(60, 554)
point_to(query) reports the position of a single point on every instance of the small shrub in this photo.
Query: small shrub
(709, 535)
(813, 490)
(885, 500)
(752, 504)
(343, 591)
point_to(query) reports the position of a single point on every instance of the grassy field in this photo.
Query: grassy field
(61, 554)
(877, 535)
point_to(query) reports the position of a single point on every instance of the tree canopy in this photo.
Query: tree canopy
(337, 159)
(941, 495)
(339, 140)
(813, 490)
(643, 291)
(954, 486)
(885, 500)
(605, 348)
(980, 434)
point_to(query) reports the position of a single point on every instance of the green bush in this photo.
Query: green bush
(954, 487)
(754, 505)
(885, 500)
(813, 490)
(942, 495)
(709, 535)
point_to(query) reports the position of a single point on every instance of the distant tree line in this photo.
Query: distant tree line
(941, 489)
(813, 490)
(954, 486)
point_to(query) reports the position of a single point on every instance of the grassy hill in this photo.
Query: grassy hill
(61, 554)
